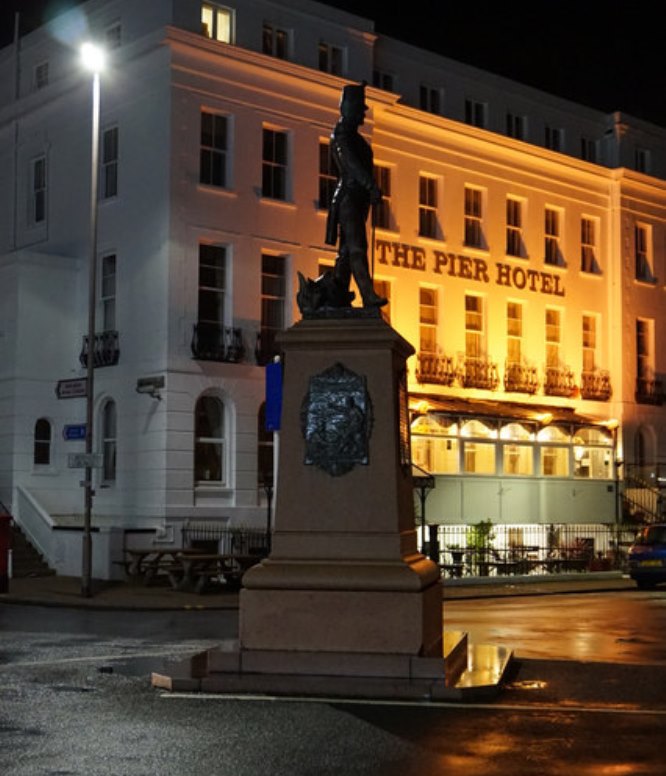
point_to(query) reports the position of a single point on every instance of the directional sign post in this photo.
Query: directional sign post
(74, 432)
(84, 460)
(71, 389)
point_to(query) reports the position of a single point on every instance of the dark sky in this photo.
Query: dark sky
(608, 54)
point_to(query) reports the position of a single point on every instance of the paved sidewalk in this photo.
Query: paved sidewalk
(66, 591)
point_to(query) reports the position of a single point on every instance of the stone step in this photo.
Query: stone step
(26, 560)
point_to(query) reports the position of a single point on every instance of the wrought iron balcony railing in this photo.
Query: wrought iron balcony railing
(214, 342)
(520, 377)
(649, 391)
(431, 368)
(595, 385)
(559, 381)
(106, 349)
(479, 373)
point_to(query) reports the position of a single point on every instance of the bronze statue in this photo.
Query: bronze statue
(355, 192)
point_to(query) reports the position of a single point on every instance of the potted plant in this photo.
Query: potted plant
(479, 538)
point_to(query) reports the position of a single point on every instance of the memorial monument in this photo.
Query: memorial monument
(345, 604)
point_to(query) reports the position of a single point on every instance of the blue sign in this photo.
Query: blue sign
(74, 432)
(273, 395)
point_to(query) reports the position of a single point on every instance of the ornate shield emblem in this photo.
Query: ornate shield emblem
(336, 420)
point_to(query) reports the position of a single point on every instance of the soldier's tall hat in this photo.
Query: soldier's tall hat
(353, 98)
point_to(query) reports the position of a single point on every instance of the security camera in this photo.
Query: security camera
(151, 386)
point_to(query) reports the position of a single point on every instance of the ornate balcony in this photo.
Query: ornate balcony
(520, 377)
(559, 381)
(431, 368)
(649, 391)
(595, 385)
(479, 373)
(214, 342)
(106, 349)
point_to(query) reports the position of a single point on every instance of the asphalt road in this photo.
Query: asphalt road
(75, 699)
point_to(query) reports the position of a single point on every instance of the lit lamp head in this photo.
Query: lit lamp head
(93, 57)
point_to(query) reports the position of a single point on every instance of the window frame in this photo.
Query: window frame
(108, 426)
(428, 204)
(643, 253)
(109, 159)
(214, 153)
(42, 442)
(108, 286)
(474, 210)
(215, 33)
(218, 442)
(275, 161)
(515, 244)
(38, 190)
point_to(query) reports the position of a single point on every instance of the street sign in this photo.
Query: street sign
(74, 431)
(84, 460)
(76, 388)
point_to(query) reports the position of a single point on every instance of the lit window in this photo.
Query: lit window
(593, 454)
(217, 22)
(589, 343)
(427, 206)
(382, 210)
(552, 249)
(209, 460)
(331, 59)
(517, 459)
(110, 163)
(514, 227)
(474, 218)
(275, 42)
(42, 443)
(474, 330)
(514, 332)
(274, 164)
(213, 150)
(588, 246)
(428, 320)
(553, 338)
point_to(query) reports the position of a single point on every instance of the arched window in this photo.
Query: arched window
(555, 452)
(109, 438)
(265, 450)
(42, 443)
(209, 457)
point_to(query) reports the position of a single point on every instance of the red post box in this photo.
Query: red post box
(5, 546)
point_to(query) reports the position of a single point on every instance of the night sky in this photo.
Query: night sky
(606, 54)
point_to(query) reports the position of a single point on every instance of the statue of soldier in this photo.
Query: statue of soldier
(355, 192)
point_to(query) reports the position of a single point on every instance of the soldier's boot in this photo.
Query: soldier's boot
(363, 280)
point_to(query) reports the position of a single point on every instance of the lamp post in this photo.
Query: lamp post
(92, 58)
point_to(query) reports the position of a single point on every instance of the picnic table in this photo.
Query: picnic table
(197, 570)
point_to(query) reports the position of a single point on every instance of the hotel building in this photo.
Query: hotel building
(521, 241)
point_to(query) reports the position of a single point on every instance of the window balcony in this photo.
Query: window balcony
(431, 368)
(649, 391)
(559, 381)
(520, 377)
(595, 385)
(106, 350)
(479, 373)
(214, 342)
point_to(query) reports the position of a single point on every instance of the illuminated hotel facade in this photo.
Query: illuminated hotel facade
(520, 240)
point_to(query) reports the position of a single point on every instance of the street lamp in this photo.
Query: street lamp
(92, 58)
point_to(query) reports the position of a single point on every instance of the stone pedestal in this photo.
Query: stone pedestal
(344, 574)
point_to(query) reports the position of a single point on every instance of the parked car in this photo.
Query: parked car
(647, 556)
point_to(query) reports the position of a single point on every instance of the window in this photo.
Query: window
(589, 343)
(427, 320)
(113, 36)
(273, 291)
(435, 444)
(209, 459)
(265, 450)
(382, 210)
(331, 59)
(213, 152)
(383, 80)
(554, 451)
(643, 253)
(328, 177)
(108, 292)
(474, 334)
(212, 286)
(593, 453)
(274, 164)
(110, 163)
(38, 191)
(42, 443)
(644, 352)
(478, 456)
(476, 113)
(473, 217)
(383, 288)
(514, 332)
(514, 227)
(275, 42)
(431, 99)
(588, 245)
(553, 254)
(642, 161)
(553, 338)
(588, 149)
(109, 442)
(427, 206)
(516, 126)
(41, 75)
(554, 138)
(217, 22)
